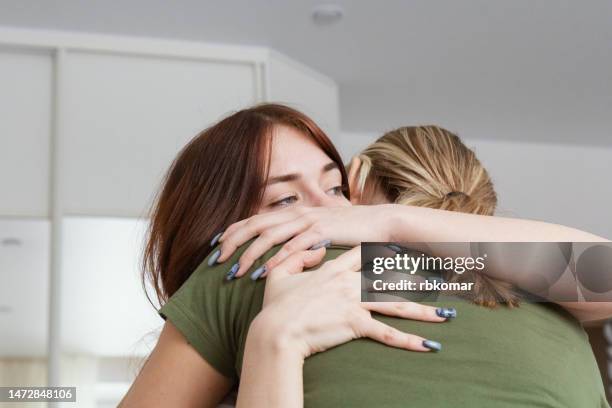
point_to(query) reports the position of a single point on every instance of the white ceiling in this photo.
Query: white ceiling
(516, 64)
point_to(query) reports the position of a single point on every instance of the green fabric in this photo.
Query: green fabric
(532, 356)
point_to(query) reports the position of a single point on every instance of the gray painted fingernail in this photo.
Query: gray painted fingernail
(233, 271)
(216, 239)
(432, 345)
(325, 243)
(213, 258)
(394, 248)
(258, 272)
(447, 313)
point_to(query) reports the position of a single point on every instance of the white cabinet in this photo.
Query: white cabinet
(104, 308)
(128, 116)
(24, 287)
(25, 123)
(123, 109)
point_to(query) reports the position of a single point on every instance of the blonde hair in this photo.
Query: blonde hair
(428, 166)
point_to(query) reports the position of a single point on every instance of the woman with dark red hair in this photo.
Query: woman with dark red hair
(269, 173)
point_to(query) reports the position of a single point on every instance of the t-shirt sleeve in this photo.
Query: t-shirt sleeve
(212, 313)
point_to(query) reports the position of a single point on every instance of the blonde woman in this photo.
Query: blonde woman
(221, 330)
(495, 354)
(428, 166)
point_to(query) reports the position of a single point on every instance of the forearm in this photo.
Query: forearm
(419, 224)
(589, 312)
(415, 224)
(271, 372)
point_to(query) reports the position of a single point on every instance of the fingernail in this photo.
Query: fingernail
(447, 313)
(325, 243)
(233, 271)
(213, 258)
(258, 272)
(432, 345)
(394, 248)
(216, 239)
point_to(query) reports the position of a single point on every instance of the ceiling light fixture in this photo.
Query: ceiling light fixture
(327, 14)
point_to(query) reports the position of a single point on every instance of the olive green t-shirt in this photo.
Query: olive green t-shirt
(532, 356)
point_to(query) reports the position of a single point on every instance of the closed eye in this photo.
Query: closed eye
(285, 201)
(338, 190)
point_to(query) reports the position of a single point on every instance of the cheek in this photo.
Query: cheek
(263, 210)
(343, 201)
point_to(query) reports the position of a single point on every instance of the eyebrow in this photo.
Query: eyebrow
(294, 176)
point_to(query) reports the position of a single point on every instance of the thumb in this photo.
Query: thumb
(296, 263)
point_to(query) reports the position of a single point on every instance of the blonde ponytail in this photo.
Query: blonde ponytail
(428, 166)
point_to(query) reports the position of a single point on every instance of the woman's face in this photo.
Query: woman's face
(300, 174)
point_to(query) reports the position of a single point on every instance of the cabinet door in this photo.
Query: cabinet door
(24, 289)
(25, 123)
(104, 310)
(124, 118)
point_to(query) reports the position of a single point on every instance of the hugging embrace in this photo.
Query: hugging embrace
(253, 251)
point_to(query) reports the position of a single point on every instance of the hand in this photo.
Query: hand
(301, 228)
(313, 311)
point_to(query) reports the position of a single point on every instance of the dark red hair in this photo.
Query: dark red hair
(216, 180)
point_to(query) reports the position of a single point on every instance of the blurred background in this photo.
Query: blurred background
(97, 97)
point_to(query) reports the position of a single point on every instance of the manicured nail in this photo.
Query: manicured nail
(447, 313)
(213, 258)
(233, 271)
(215, 239)
(325, 243)
(258, 272)
(394, 248)
(435, 279)
(432, 345)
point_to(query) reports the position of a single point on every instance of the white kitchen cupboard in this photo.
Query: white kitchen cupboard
(118, 109)
(134, 115)
(25, 120)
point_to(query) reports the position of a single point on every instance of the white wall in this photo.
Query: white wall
(558, 183)
(566, 184)
(299, 86)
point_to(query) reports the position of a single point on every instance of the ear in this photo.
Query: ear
(353, 180)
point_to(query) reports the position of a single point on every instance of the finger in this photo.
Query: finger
(233, 227)
(284, 215)
(264, 242)
(348, 261)
(408, 310)
(310, 259)
(391, 336)
(296, 263)
(252, 227)
(300, 242)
